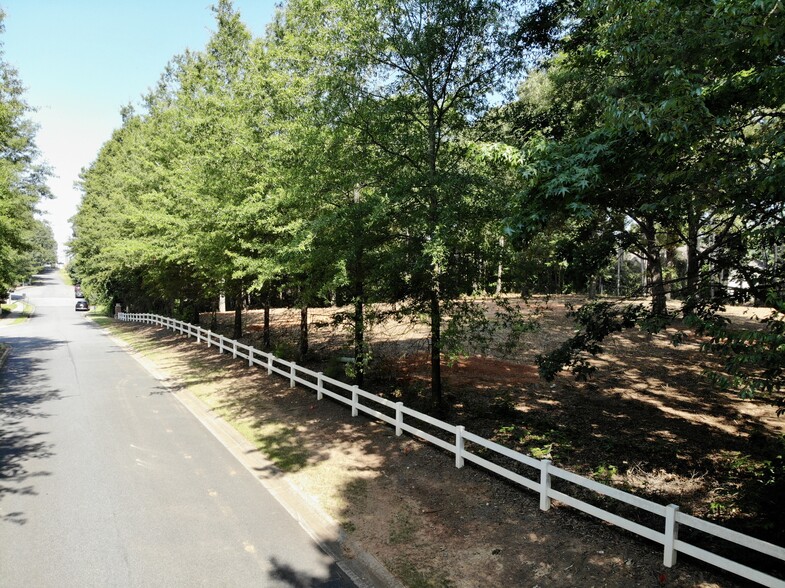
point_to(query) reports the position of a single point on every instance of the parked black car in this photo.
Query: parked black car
(82, 305)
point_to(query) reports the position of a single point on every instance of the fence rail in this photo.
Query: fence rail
(544, 472)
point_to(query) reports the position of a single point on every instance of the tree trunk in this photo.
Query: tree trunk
(303, 345)
(658, 294)
(500, 269)
(214, 316)
(359, 341)
(359, 294)
(266, 327)
(592, 289)
(434, 214)
(237, 331)
(693, 263)
(436, 347)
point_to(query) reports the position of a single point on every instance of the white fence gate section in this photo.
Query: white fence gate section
(542, 471)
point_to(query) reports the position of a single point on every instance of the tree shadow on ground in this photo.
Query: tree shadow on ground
(397, 494)
(24, 392)
(285, 574)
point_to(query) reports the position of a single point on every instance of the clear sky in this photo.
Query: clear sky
(82, 60)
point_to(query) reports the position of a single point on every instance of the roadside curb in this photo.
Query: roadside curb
(361, 567)
(4, 353)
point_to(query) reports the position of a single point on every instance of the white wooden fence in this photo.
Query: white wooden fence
(543, 471)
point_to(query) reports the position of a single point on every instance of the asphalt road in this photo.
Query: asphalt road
(106, 479)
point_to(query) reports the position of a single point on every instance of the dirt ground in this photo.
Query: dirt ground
(647, 423)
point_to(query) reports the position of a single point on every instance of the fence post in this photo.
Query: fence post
(459, 446)
(319, 386)
(250, 356)
(398, 419)
(355, 397)
(269, 364)
(220, 343)
(291, 374)
(545, 484)
(209, 334)
(234, 349)
(671, 534)
(198, 334)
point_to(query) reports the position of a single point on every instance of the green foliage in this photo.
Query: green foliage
(471, 328)
(25, 244)
(657, 127)
(160, 226)
(662, 121)
(605, 473)
(352, 156)
(332, 160)
(40, 249)
(753, 484)
(540, 443)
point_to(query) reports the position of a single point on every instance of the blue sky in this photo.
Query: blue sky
(82, 60)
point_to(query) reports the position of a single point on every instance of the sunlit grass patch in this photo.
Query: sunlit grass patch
(415, 577)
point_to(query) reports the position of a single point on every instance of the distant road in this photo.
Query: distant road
(107, 480)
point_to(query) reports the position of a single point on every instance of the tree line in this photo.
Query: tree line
(419, 152)
(27, 243)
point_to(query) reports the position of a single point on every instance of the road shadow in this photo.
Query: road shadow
(24, 391)
(283, 573)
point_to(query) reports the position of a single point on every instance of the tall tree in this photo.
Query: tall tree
(428, 68)
(194, 164)
(677, 126)
(22, 176)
